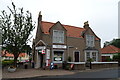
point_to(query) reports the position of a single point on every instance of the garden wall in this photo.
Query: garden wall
(95, 65)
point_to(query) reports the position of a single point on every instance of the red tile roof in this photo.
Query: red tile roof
(110, 49)
(11, 55)
(72, 31)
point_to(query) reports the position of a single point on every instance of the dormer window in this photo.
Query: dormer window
(90, 41)
(58, 36)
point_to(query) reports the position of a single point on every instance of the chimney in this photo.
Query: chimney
(39, 16)
(86, 25)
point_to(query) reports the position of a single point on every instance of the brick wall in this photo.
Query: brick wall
(95, 65)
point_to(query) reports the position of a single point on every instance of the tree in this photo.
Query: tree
(116, 57)
(16, 30)
(114, 42)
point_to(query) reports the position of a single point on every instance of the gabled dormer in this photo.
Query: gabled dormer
(58, 33)
(89, 36)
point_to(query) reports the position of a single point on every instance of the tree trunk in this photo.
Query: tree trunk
(15, 60)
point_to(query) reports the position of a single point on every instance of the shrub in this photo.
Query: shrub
(108, 59)
(90, 60)
(7, 62)
(69, 59)
(116, 57)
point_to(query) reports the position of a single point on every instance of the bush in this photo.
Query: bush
(7, 62)
(69, 59)
(116, 57)
(90, 60)
(108, 59)
(67, 67)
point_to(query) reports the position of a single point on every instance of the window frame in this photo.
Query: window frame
(91, 56)
(57, 39)
(90, 40)
(62, 56)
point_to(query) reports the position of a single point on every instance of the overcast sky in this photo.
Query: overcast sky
(101, 14)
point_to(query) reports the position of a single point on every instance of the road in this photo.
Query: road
(106, 74)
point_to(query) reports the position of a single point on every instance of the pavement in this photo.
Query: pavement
(27, 73)
(31, 72)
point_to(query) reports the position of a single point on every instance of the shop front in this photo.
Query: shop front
(47, 56)
(58, 53)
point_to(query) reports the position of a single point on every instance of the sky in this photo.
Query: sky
(101, 14)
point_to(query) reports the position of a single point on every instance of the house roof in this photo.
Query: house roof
(110, 49)
(72, 31)
(11, 55)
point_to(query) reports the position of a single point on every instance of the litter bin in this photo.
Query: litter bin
(26, 65)
(55, 66)
(32, 64)
(64, 64)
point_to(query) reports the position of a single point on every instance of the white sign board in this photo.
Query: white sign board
(46, 62)
(48, 54)
(60, 46)
(58, 59)
(40, 47)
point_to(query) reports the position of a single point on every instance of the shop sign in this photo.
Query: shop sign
(48, 62)
(40, 47)
(48, 54)
(60, 46)
(43, 51)
(39, 51)
(58, 59)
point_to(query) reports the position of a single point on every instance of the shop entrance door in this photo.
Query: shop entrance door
(41, 60)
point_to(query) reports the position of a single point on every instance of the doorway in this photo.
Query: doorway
(41, 60)
(76, 56)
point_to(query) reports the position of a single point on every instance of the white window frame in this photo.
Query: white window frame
(59, 37)
(91, 55)
(90, 40)
(74, 55)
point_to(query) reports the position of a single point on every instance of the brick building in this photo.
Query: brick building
(56, 42)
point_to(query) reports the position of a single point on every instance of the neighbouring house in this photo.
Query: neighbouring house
(108, 52)
(9, 56)
(56, 42)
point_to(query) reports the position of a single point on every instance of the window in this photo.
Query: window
(91, 54)
(94, 56)
(89, 40)
(88, 55)
(58, 36)
(58, 56)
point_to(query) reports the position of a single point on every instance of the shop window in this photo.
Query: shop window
(58, 56)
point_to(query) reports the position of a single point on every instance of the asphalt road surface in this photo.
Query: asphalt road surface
(107, 74)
